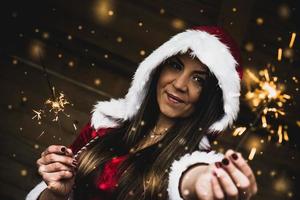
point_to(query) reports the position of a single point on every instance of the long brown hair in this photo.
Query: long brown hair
(144, 174)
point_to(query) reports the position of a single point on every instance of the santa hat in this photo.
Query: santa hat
(211, 45)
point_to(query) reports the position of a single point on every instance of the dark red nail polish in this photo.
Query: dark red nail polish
(225, 161)
(234, 156)
(63, 149)
(218, 164)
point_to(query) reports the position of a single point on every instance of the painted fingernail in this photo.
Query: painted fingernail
(225, 161)
(234, 156)
(218, 164)
(63, 149)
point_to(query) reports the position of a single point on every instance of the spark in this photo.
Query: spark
(37, 114)
(269, 99)
(279, 56)
(293, 37)
(252, 153)
(239, 131)
(58, 105)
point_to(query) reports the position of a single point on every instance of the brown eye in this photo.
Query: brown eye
(174, 64)
(199, 80)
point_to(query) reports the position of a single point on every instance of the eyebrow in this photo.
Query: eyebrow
(199, 71)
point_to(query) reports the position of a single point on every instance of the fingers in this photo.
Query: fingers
(239, 162)
(240, 180)
(217, 189)
(58, 149)
(52, 158)
(54, 167)
(227, 184)
(56, 176)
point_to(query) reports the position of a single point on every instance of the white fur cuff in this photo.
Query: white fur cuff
(36, 191)
(179, 166)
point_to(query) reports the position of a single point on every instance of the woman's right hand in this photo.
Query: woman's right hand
(57, 168)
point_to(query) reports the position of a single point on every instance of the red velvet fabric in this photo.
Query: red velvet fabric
(108, 178)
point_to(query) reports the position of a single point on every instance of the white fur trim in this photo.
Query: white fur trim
(36, 191)
(178, 167)
(207, 48)
(204, 144)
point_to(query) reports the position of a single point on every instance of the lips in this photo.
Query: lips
(174, 98)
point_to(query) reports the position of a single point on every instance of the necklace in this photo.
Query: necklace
(155, 133)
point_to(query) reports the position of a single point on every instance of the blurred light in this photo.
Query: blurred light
(281, 185)
(178, 23)
(234, 9)
(23, 172)
(36, 49)
(162, 11)
(259, 21)
(14, 61)
(69, 37)
(142, 52)
(71, 63)
(105, 55)
(284, 11)
(79, 27)
(59, 55)
(45, 35)
(140, 23)
(288, 53)
(119, 39)
(97, 81)
(249, 47)
(103, 10)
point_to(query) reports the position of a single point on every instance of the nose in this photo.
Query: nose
(181, 83)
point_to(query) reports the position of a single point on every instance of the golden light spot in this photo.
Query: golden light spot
(119, 39)
(24, 99)
(178, 23)
(23, 172)
(288, 53)
(142, 52)
(234, 9)
(79, 27)
(36, 146)
(97, 82)
(259, 21)
(249, 46)
(36, 49)
(273, 173)
(284, 11)
(258, 172)
(110, 13)
(45, 35)
(59, 55)
(70, 37)
(105, 55)
(9, 107)
(93, 31)
(14, 61)
(162, 11)
(281, 185)
(279, 55)
(71, 63)
(140, 24)
(36, 30)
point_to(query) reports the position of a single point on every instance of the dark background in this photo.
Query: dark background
(91, 50)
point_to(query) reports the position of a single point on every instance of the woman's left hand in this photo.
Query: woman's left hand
(233, 178)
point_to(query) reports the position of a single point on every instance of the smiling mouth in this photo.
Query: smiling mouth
(174, 99)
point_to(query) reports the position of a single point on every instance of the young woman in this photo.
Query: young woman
(155, 142)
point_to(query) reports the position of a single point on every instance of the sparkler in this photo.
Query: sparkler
(268, 100)
(55, 104)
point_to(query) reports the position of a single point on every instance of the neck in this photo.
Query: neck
(164, 122)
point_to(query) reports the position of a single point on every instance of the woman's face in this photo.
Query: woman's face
(180, 85)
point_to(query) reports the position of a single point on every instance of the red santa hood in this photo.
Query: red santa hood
(211, 45)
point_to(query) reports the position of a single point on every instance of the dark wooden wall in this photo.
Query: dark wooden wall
(96, 54)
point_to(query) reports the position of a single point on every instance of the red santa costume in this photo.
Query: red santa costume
(213, 47)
